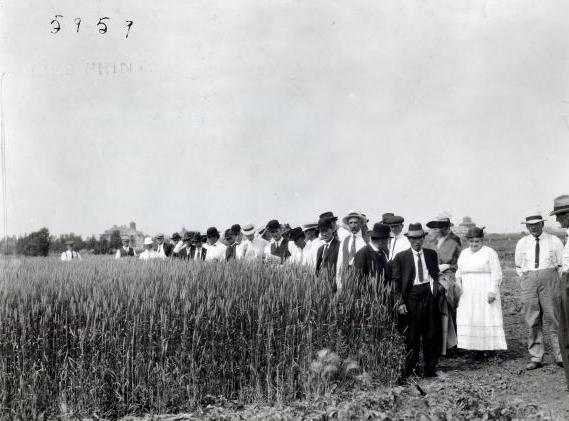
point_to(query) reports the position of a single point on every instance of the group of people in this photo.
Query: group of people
(446, 296)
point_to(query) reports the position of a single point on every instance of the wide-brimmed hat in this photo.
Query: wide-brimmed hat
(325, 223)
(248, 229)
(148, 241)
(415, 231)
(533, 218)
(391, 219)
(560, 205)
(160, 236)
(273, 225)
(236, 228)
(176, 236)
(380, 231)
(475, 232)
(354, 214)
(296, 233)
(69, 242)
(328, 215)
(442, 220)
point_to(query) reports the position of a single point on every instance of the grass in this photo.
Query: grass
(129, 337)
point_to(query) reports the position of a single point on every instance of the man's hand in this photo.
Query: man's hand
(491, 297)
(402, 309)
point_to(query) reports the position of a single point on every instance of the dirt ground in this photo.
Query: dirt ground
(495, 388)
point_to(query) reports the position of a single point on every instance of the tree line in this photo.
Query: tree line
(42, 243)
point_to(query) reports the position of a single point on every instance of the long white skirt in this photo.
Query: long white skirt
(480, 325)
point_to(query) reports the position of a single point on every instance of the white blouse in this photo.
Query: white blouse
(483, 262)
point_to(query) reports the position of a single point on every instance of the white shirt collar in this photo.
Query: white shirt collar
(416, 253)
(374, 248)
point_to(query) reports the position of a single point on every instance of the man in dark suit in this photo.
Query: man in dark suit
(327, 255)
(371, 260)
(418, 299)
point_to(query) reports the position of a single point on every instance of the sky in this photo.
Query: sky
(218, 112)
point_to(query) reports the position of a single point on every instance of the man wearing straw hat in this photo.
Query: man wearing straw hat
(351, 244)
(313, 242)
(126, 250)
(247, 249)
(561, 212)
(418, 297)
(70, 254)
(538, 258)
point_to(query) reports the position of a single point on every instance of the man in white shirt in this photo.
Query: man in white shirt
(70, 254)
(148, 252)
(350, 244)
(561, 212)
(163, 249)
(276, 251)
(247, 249)
(215, 249)
(538, 259)
(296, 246)
(178, 243)
(398, 241)
(313, 242)
(126, 250)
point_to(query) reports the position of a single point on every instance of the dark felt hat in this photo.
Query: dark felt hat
(560, 205)
(236, 228)
(296, 233)
(325, 223)
(393, 219)
(273, 225)
(328, 215)
(175, 236)
(212, 232)
(475, 232)
(380, 231)
(415, 231)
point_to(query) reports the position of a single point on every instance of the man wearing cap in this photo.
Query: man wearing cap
(296, 246)
(276, 251)
(538, 259)
(215, 248)
(371, 260)
(327, 255)
(351, 244)
(70, 254)
(148, 253)
(418, 296)
(398, 242)
(561, 212)
(163, 249)
(178, 244)
(247, 249)
(126, 250)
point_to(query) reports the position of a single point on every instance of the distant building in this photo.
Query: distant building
(462, 228)
(137, 237)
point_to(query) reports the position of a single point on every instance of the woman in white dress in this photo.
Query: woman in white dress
(480, 325)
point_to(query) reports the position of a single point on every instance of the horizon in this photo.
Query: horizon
(211, 113)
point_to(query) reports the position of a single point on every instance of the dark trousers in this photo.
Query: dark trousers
(564, 323)
(423, 326)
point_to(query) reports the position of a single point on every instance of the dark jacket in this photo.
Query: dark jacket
(369, 262)
(168, 247)
(403, 273)
(326, 263)
(281, 251)
(125, 253)
(190, 252)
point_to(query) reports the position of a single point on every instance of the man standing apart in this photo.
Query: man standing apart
(350, 245)
(418, 296)
(561, 212)
(70, 254)
(538, 258)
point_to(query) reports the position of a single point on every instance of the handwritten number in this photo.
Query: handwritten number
(78, 23)
(128, 25)
(102, 26)
(56, 25)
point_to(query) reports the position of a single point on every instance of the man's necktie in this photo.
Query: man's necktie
(536, 252)
(420, 269)
(393, 241)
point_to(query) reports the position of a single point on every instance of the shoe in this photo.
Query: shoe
(560, 363)
(532, 365)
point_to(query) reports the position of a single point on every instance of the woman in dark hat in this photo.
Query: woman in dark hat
(480, 325)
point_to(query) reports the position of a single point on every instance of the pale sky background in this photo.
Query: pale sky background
(241, 111)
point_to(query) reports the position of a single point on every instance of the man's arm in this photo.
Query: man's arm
(519, 256)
